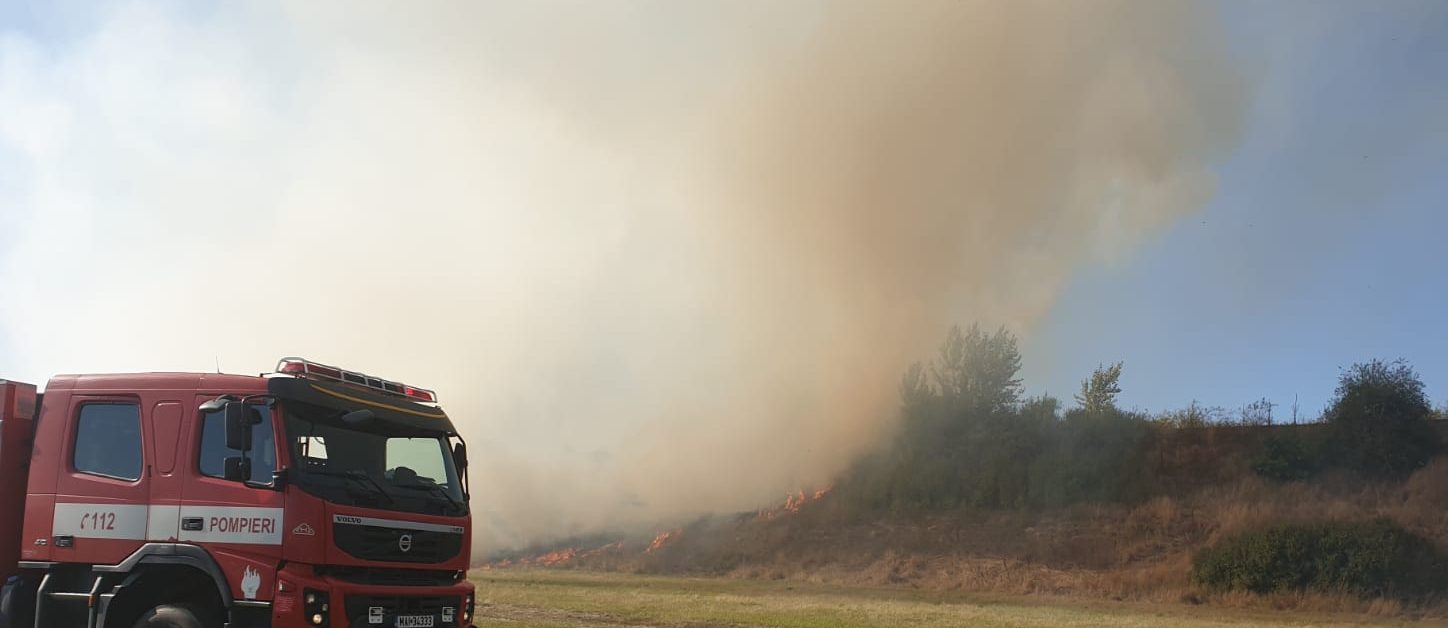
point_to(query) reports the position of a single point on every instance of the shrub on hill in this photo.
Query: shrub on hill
(1379, 423)
(1286, 458)
(1372, 558)
(1090, 457)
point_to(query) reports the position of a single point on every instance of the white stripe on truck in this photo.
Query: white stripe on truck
(100, 521)
(224, 524)
(133, 522)
(164, 523)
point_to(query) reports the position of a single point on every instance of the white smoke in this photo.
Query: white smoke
(657, 258)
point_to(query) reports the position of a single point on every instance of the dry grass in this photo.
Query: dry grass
(568, 599)
(1103, 552)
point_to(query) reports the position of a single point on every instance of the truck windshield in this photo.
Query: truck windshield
(372, 465)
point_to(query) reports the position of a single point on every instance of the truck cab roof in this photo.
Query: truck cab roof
(202, 382)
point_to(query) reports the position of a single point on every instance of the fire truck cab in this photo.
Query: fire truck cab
(312, 496)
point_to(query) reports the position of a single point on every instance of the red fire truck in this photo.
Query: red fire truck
(312, 496)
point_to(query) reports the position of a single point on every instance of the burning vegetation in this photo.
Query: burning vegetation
(663, 539)
(795, 502)
(981, 489)
(569, 554)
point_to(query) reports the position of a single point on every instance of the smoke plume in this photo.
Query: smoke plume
(658, 258)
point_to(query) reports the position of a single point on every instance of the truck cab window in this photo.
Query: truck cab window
(213, 453)
(420, 455)
(108, 440)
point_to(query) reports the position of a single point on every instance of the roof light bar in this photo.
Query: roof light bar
(306, 368)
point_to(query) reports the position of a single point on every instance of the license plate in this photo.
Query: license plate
(414, 621)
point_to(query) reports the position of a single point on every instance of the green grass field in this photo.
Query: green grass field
(526, 598)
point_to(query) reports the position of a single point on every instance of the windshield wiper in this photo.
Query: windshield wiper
(436, 490)
(357, 476)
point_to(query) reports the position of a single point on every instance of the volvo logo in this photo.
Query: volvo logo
(404, 542)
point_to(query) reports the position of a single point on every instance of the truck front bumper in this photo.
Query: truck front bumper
(303, 597)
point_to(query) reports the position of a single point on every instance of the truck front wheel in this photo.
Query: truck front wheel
(172, 616)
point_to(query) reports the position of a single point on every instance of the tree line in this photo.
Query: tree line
(969, 437)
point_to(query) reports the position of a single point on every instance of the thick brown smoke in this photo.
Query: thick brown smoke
(659, 258)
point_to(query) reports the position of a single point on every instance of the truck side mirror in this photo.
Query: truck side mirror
(237, 469)
(460, 457)
(239, 419)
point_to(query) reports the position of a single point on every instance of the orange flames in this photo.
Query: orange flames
(794, 503)
(663, 539)
(557, 557)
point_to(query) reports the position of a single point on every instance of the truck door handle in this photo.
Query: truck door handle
(191, 524)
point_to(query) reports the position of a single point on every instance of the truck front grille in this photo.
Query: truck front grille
(386, 544)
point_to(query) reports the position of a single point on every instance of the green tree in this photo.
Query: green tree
(1379, 420)
(959, 441)
(976, 371)
(1098, 392)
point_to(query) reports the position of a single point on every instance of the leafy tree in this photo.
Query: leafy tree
(1098, 392)
(1378, 422)
(960, 441)
(977, 371)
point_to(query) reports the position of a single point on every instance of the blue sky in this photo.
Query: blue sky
(1325, 242)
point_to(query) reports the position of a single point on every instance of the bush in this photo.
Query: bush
(1379, 421)
(1373, 558)
(1089, 457)
(1285, 459)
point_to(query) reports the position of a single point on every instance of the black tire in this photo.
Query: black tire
(172, 616)
(17, 603)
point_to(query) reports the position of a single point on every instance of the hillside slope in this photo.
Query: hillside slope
(1118, 551)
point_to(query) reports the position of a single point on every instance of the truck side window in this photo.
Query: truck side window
(108, 440)
(212, 458)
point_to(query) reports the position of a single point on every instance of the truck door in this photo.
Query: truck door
(102, 497)
(240, 523)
